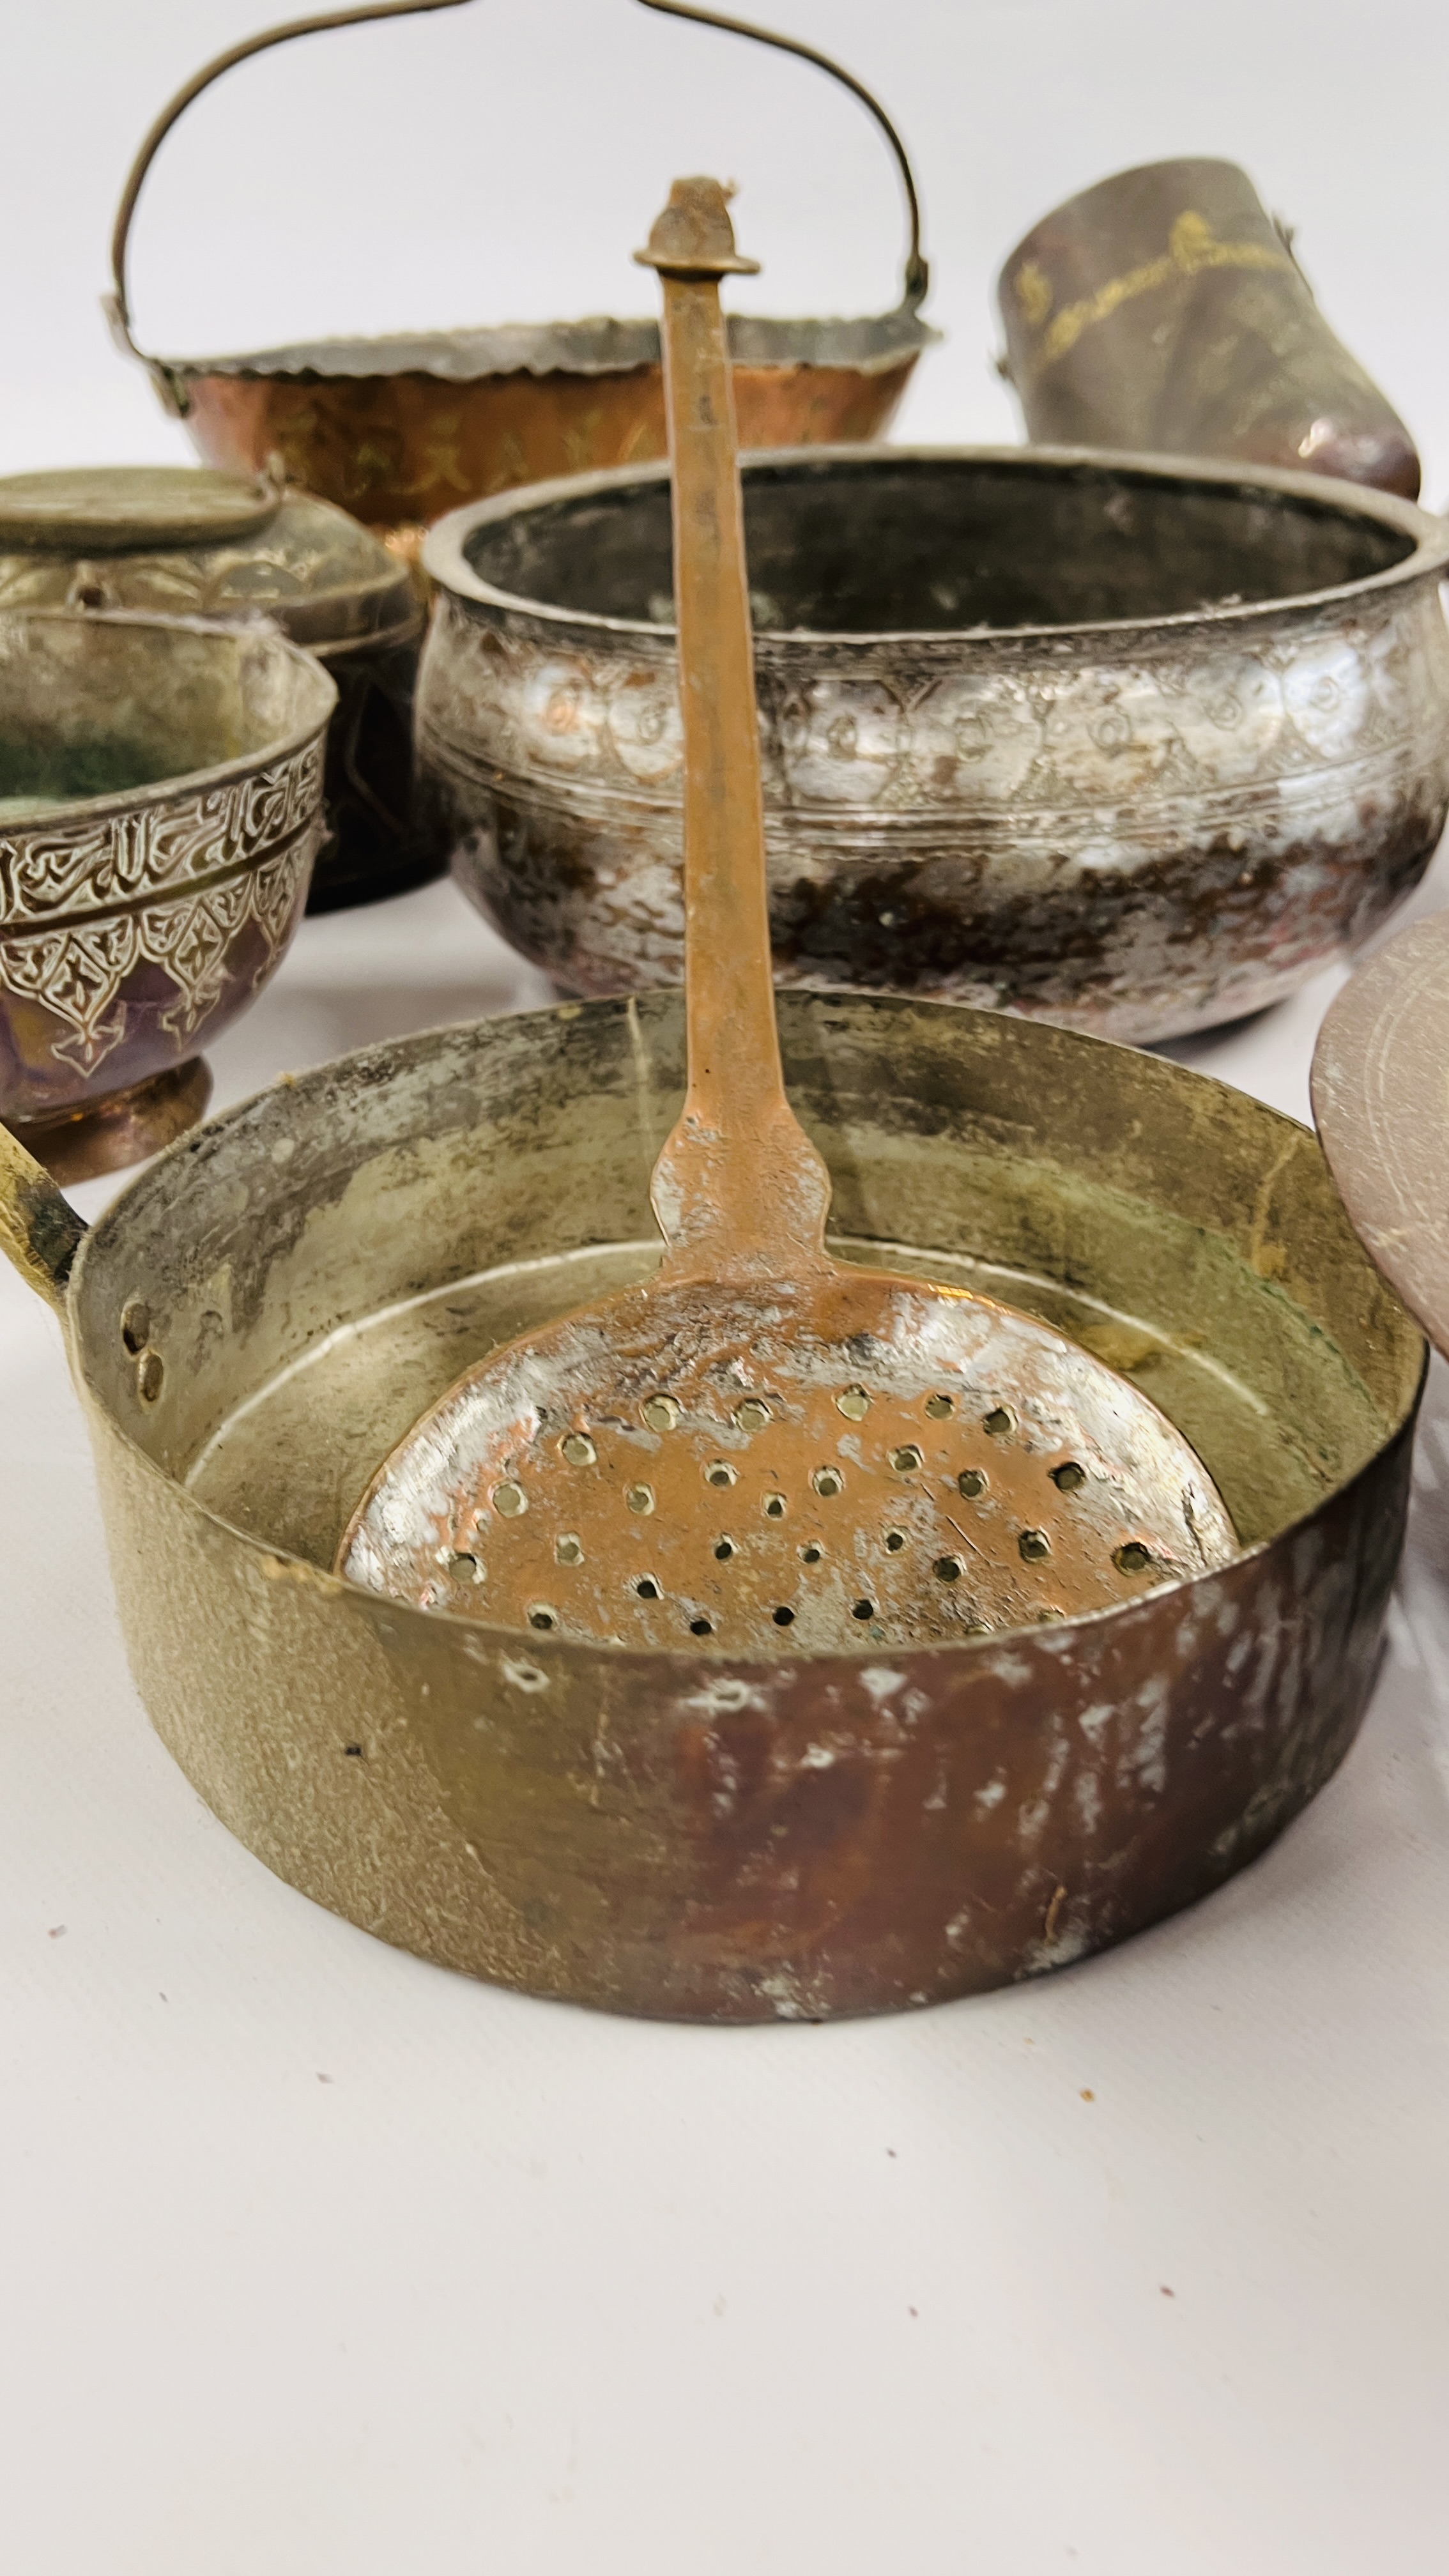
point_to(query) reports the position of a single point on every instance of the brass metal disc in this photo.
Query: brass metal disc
(116, 509)
(1381, 1100)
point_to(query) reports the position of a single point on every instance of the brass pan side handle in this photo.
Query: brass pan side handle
(39, 1230)
(917, 273)
(117, 303)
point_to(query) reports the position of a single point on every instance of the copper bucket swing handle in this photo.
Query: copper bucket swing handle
(39, 1230)
(917, 272)
(118, 304)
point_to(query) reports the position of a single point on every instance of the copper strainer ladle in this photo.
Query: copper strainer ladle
(763, 1446)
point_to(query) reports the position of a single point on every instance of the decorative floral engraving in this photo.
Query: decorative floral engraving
(1138, 829)
(77, 970)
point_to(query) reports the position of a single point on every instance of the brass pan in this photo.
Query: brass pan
(270, 1305)
(398, 430)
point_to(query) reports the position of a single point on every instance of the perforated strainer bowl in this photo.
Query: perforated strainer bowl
(680, 1830)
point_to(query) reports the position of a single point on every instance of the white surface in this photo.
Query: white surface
(315, 2261)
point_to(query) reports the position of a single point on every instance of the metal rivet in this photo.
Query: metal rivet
(752, 1415)
(463, 1567)
(1133, 1558)
(854, 1404)
(949, 1569)
(578, 1448)
(998, 1422)
(783, 1617)
(1033, 1545)
(701, 1627)
(1069, 1478)
(970, 1482)
(648, 1589)
(569, 1549)
(719, 1472)
(136, 1325)
(661, 1413)
(774, 1507)
(905, 1461)
(542, 1615)
(510, 1500)
(640, 1498)
(895, 1541)
(812, 1554)
(938, 1406)
(863, 1610)
(149, 1374)
(827, 1480)
(725, 1550)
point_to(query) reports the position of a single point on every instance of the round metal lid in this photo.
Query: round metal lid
(1381, 1100)
(115, 509)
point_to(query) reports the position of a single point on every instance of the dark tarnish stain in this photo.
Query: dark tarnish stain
(52, 1227)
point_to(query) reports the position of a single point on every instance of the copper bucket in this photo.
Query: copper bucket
(399, 430)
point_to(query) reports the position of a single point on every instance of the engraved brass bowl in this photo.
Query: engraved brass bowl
(260, 1316)
(1125, 743)
(160, 810)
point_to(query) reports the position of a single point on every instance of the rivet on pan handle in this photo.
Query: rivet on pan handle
(917, 276)
(39, 1230)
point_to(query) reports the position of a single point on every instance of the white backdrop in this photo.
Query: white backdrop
(316, 2261)
(500, 162)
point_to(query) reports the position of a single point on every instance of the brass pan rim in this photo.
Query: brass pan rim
(562, 1653)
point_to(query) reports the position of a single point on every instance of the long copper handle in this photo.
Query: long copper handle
(39, 1230)
(917, 276)
(118, 303)
(738, 1185)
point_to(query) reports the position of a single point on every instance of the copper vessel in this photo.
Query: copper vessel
(160, 810)
(399, 430)
(679, 1831)
(1164, 309)
(1131, 745)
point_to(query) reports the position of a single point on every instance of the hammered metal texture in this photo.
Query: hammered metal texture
(688, 1832)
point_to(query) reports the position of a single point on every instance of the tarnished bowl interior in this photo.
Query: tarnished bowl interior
(937, 546)
(316, 1268)
(95, 708)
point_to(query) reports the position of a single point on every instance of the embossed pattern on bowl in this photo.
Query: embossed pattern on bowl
(160, 809)
(1128, 744)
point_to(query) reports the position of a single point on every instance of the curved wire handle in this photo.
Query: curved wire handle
(117, 304)
(918, 275)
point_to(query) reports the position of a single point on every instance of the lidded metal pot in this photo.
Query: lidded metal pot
(398, 430)
(182, 541)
